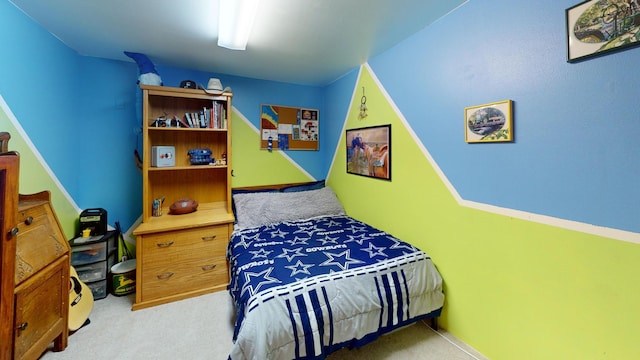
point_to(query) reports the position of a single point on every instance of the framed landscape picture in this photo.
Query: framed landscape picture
(599, 27)
(488, 122)
(369, 151)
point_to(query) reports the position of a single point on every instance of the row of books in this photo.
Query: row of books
(212, 118)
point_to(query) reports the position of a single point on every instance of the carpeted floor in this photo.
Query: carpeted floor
(201, 328)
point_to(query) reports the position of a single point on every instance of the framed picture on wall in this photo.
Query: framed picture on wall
(488, 122)
(369, 151)
(599, 27)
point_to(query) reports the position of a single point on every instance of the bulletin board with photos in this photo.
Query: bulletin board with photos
(288, 128)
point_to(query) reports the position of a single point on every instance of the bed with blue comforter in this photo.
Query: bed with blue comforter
(306, 282)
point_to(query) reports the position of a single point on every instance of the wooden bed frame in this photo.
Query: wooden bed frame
(273, 186)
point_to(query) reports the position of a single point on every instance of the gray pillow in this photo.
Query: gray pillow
(256, 209)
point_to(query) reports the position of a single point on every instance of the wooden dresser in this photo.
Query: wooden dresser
(41, 279)
(180, 263)
(35, 272)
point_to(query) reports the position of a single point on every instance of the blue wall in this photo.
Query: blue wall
(103, 138)
(83, 114)
(575, 154)
(36, 69)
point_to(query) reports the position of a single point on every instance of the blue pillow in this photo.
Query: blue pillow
(316, 185)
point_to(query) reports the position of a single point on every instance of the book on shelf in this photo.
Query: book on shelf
(214, 117)
(182, 122)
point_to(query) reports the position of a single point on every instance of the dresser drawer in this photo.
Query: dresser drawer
(187, 275)
(92, 272)
(87, 254)
(184, 245)
(178, 262)
(40, 241)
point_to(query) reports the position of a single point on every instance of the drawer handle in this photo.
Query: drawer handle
(209, 238)
(208, 267)
(14, 231)
(165, 275)
(165, 244)
(29, 220)
(23, 326)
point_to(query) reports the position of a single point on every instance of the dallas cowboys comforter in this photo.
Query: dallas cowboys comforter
(306, 288)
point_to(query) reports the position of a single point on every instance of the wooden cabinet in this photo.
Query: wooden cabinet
(180, 256)
(9, 169)
(42, 269)
(34, 268)
(35, 278)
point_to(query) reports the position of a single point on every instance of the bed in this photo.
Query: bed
(307, 279)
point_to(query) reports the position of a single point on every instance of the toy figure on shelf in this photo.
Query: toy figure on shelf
(148, 73)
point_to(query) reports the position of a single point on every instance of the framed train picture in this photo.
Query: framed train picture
(599, 27)
(488, 122)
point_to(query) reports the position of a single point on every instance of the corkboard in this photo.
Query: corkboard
(290, 128)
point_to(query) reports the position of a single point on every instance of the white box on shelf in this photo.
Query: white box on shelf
(163, 156)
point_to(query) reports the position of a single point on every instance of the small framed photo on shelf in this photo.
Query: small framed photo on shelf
(488, 122)
(369, 151)
(599, 27)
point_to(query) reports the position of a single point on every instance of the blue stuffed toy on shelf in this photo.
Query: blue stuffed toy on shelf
(148, 73)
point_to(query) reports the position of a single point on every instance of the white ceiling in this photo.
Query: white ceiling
(309, 42)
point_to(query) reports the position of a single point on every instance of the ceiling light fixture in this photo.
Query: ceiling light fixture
(235, 20)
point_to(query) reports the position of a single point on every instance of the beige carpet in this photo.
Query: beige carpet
(201, 328)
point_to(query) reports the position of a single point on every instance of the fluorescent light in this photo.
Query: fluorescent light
(235, 20)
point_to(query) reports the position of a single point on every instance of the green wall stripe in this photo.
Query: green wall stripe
(35, 174)
(515, 287)
(252, 166)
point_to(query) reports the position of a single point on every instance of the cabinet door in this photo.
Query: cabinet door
(39, 243)
(40, 310)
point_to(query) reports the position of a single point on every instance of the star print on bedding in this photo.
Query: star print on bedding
(274, 255)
